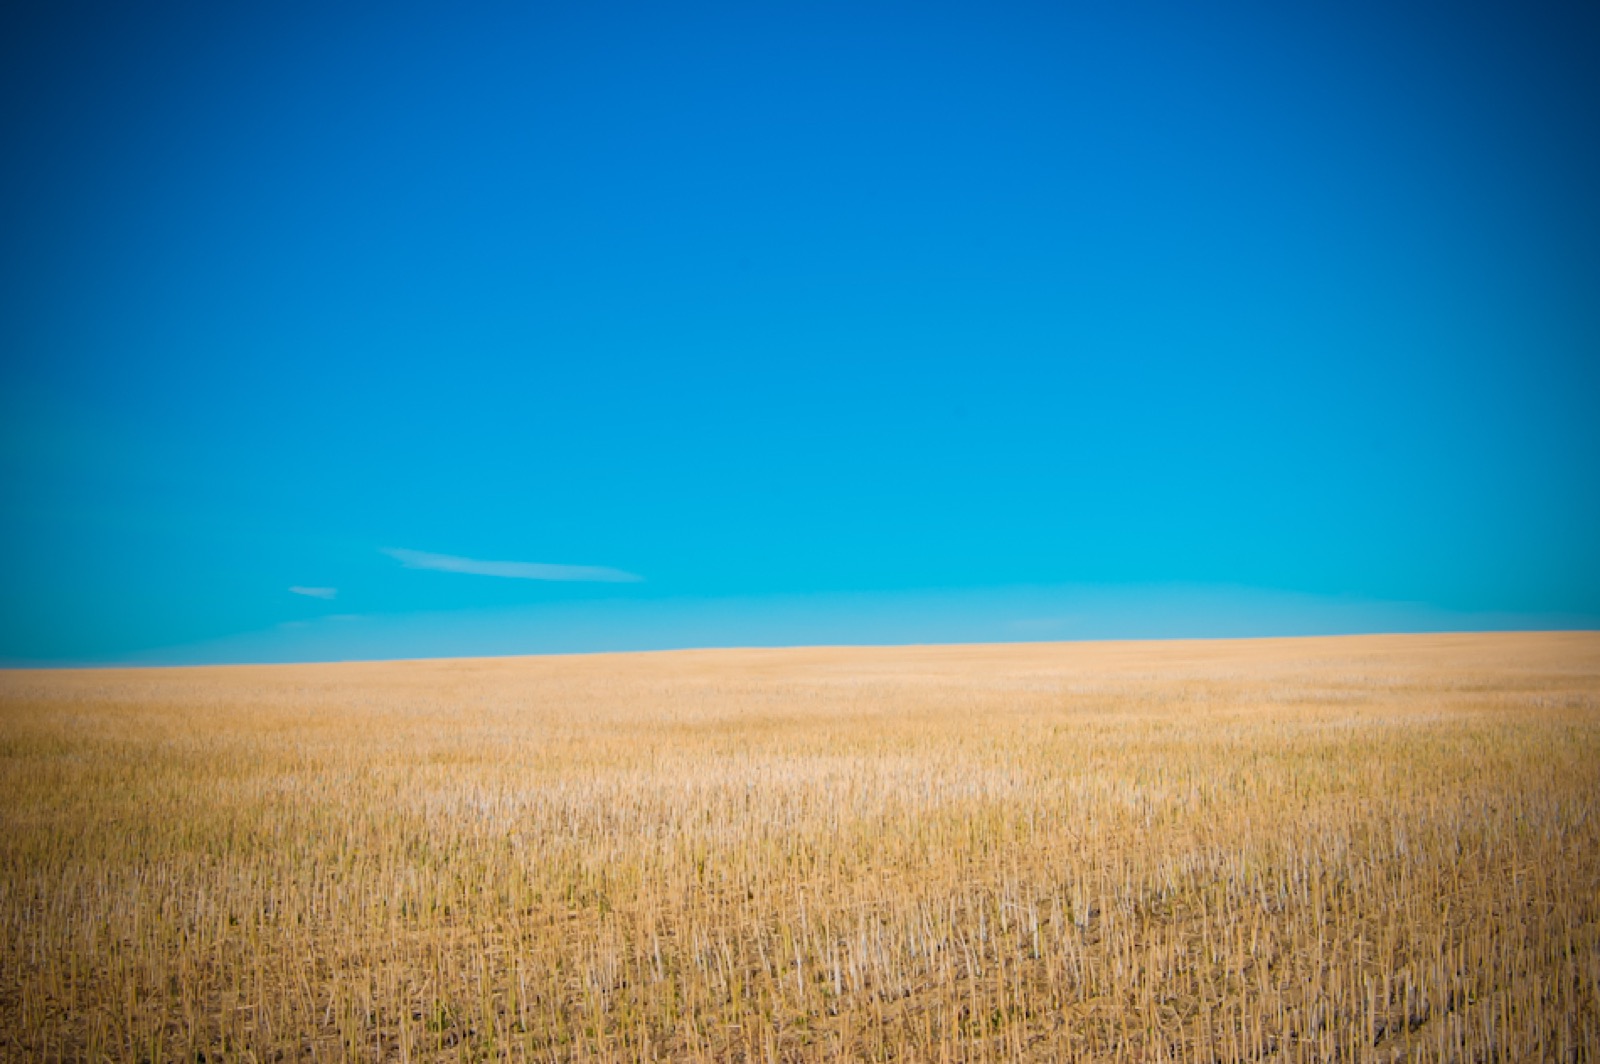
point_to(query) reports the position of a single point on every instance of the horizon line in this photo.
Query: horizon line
(6, 666)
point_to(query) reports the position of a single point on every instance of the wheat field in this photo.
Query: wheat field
(1363, 849)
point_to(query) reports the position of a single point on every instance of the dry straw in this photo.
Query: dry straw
(1360, 849)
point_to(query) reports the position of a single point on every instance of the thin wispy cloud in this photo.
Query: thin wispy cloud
(314, 592)
(449, 563)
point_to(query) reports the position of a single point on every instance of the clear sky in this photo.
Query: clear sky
(333, 330)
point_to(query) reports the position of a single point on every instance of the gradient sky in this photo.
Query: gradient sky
(371, 331)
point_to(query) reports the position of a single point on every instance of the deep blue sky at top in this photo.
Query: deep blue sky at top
(764, 300)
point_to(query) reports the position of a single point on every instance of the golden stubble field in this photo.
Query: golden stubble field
(1369, 848)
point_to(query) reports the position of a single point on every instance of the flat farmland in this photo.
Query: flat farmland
(1371, 848)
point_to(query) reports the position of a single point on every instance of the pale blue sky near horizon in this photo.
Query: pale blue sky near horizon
(383, 331)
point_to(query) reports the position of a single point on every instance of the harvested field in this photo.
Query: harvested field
(1366, 849)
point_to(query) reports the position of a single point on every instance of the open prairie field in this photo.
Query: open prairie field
(1367, 848)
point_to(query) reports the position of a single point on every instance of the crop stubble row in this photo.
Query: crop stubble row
(1370, 848)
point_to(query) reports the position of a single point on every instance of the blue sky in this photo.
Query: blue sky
(340, 331)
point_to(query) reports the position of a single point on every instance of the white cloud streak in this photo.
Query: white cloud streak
(314, 592)
(447, 563)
